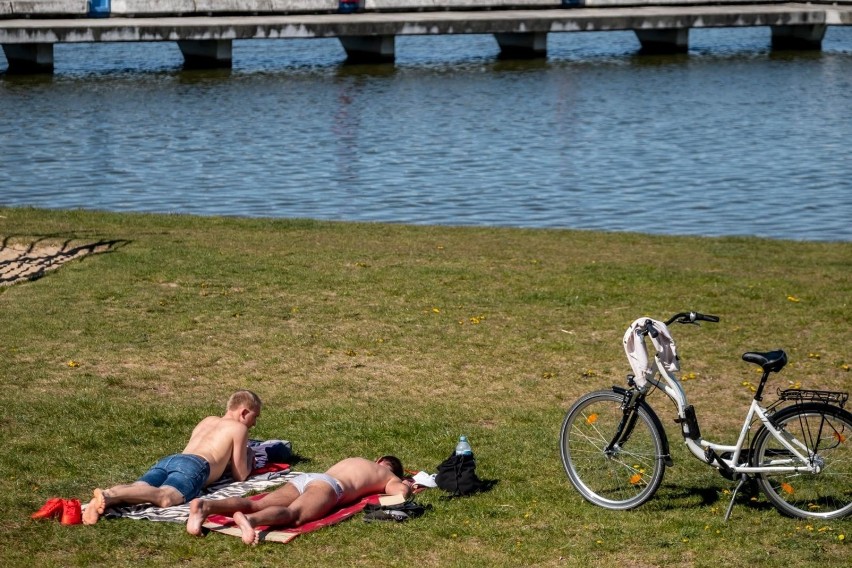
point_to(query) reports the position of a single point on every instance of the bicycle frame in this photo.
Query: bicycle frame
(708, 451)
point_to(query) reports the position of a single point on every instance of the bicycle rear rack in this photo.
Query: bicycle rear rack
(802, 395)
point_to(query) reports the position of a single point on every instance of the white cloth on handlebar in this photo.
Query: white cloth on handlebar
(637, 354)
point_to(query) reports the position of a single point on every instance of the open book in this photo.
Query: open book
(389, 500)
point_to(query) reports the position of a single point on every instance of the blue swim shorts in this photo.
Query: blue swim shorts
(187, 473)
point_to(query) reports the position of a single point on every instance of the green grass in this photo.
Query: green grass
(364, 339)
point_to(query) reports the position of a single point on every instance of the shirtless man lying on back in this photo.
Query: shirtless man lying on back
(215, 444)
(305, 498)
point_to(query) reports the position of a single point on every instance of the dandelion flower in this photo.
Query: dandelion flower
(73, 364)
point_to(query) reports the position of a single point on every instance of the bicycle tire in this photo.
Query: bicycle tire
(826, 431)
(627, 477)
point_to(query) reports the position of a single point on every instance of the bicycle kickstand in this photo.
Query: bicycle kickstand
(743, 479)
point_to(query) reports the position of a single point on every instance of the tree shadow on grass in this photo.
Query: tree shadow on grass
(30, 259)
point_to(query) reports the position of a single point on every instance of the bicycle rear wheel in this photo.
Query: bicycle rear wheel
(824, 434)
(624, 477)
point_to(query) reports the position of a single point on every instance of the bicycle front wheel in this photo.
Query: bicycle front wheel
(823, 434)
(629, 473)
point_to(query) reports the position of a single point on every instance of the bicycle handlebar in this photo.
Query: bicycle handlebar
(691, 317)
(682, 317)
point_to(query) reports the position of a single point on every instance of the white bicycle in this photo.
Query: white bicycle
(615, 451)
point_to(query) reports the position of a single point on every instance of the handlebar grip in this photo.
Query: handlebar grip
(650, 329)
(704, 317)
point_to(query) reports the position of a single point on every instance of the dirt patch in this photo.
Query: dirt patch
(23, 260)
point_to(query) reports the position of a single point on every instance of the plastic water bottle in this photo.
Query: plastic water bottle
(463, 447)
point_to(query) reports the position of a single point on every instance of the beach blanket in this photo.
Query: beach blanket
(262, 479)
(225, 525)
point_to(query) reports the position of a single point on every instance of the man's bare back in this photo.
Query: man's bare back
(215, 439)
(359, 477)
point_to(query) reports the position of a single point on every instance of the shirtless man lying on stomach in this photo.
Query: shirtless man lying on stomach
(215, 443)
(305, 498)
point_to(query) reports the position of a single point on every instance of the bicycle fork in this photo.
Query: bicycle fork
(629, 408)
(633, 399)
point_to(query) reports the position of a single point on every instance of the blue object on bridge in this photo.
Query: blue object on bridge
(99, 8)
(350, 6)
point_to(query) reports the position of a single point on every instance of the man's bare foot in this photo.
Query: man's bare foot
(95, 508)
(250, 536)
(197, 515)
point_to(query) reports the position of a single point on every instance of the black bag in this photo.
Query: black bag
(457, 475)
(399, 513)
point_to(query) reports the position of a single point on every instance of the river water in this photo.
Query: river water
(729, 139)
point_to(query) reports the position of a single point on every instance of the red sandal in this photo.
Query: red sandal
(52, 508)
(71, 512)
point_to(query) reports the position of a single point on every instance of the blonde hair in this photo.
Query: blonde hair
(244, 398)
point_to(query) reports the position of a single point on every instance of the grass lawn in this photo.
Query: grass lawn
(365, 339)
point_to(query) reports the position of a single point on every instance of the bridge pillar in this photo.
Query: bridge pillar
(206, 54)
(27, 58)
(522, 45)
(664, 41)
(369, 49)
(798, 37)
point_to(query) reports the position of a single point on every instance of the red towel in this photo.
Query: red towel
(225, 525)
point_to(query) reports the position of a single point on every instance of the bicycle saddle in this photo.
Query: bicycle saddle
(771, 362)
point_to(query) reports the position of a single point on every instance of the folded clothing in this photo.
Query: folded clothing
(270, 451)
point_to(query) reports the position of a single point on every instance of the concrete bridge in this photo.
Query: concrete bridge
(205, 29)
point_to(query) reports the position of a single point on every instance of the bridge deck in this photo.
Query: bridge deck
(206, 40)
(417, 23)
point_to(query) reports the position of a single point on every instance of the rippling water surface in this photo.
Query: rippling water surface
(729, 139)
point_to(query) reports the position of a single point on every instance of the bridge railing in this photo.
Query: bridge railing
(144, 8)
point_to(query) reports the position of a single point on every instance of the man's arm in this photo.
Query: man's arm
(242, 459)
(397, 486)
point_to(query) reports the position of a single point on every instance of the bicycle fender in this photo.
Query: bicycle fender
(781, 413)
(655, 419)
